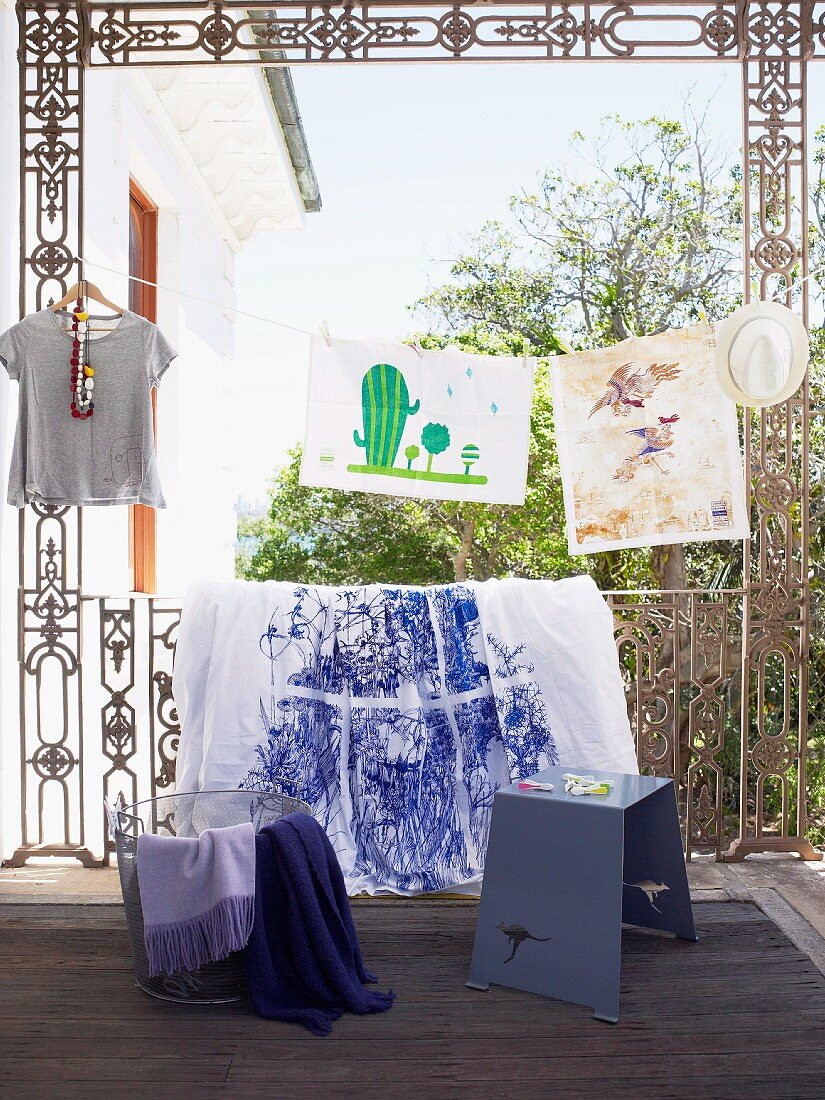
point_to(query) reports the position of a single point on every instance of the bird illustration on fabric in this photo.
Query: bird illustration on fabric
(629, 387)
(655, 441)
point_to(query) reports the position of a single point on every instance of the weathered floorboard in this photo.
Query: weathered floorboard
(741, 1013)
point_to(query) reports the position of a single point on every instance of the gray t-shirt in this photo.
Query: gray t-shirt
(108, 458)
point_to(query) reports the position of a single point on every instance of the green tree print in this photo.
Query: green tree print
(435, 439)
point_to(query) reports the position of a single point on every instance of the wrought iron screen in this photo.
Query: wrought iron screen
(717, 681)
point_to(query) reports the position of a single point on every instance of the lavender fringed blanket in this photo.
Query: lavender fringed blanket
(303, 960)
(197, 895)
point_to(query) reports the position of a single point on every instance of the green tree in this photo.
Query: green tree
(646, 236)
(411, 453)
(645, 239)
(435, 438)
(325, 536)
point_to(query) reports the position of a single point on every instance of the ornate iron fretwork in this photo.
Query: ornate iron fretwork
(774, 707)
(51, 113)
(117, 715)
(305, 33)
(683, 653)
(164, 722)
(51, 690)
(51, 228)
(647, 636)
(681, 656)
(715, 633)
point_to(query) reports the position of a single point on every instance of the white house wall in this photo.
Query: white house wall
(125, 134)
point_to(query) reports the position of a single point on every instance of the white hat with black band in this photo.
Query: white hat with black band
(762, 354)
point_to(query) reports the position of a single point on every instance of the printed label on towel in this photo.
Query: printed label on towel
(720, 511)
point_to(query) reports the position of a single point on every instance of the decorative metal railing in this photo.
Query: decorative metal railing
(97, 716)
(729, 728)
(680, 652)
(681, 655)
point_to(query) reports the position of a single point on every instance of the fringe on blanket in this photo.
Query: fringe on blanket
(209, 937)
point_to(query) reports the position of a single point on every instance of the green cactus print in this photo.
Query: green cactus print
(385, 406)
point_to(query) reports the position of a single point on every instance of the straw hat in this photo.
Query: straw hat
(761, 354)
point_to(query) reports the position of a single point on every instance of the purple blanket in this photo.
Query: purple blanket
(197, 896)
(303, 961)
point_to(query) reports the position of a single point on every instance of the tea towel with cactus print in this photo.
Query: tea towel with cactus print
(386, 417)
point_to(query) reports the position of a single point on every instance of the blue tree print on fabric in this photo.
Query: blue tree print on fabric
(361, 645)
(385, 640)
(478, 728)
(307, 631)
(364, 650)
(302, 753)
(409, 621)
(402, 783)
(525, 730)
(508, 663)
(457, 616)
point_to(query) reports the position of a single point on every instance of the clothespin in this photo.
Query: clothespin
(710, 339)
(418, 347)
(112, 811)
(586, 784)
(530, 785)
(324, 330)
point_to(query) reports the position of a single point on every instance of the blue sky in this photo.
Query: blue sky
(410, 160)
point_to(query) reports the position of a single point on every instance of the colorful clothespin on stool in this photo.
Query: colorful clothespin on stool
(586, 784)
(531, 785)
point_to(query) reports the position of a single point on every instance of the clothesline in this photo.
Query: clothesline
(794, 286)
(196, 298)
(322, 328)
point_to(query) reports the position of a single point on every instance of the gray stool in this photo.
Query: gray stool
(563, 873)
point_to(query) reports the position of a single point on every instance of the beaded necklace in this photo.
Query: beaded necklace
(82, 373)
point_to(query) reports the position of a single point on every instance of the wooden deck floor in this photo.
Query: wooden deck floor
(742, 1013)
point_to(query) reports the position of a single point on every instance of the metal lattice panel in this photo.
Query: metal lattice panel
(51, 111)
(118, 724)
(163, 722)
(688, 657)
(51, 686)
(145, 33)
(774, 710)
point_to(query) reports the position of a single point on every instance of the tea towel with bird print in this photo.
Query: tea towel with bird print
(648, 444)
(396, 713)
(384, 417)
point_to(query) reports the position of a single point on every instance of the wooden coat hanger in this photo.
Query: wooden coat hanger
(85, 289)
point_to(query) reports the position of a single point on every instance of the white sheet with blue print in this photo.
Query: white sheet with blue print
(397, 712)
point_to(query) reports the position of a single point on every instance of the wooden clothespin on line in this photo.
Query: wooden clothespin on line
(85, 289)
